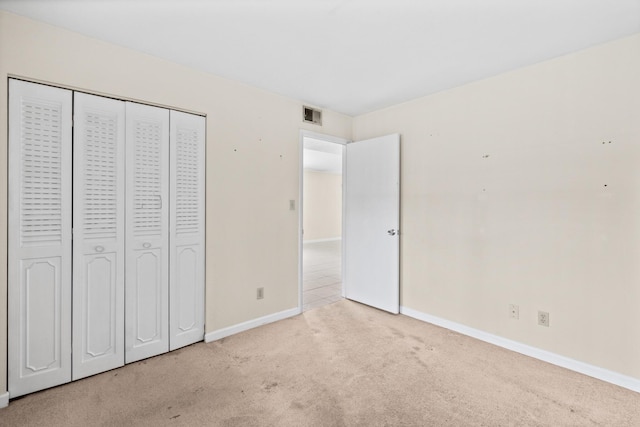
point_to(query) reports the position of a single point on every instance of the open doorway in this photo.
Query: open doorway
(321, 220)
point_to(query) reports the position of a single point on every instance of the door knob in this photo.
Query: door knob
(392, 232)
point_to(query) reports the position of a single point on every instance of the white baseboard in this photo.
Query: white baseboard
(250, 324)
(4, 399)
(330, 239)
(612, 377)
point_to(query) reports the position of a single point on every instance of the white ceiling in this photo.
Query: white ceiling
(322, 156)
(350, 56)
(317, 161)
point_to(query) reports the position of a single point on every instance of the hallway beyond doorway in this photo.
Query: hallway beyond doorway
(322, 281)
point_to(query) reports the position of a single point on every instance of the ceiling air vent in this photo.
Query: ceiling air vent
(311, 115)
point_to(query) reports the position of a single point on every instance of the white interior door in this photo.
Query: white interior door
(372, 220)
(186, 282)
(39, 237)
(147, 232)
(98, 240)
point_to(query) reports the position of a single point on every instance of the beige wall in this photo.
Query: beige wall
(252, 160)
(510, 196)
(322, 205)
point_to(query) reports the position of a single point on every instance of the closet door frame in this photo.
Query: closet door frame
(174, 325)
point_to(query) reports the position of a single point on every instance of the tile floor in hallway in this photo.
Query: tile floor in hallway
(322, 280)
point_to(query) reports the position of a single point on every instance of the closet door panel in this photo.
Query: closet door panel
(98, 244)
(187, 229)
(147, 232)
(39, 237)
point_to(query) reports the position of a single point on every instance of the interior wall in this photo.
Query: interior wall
(322, 206)
(525, 189)
(252, 160)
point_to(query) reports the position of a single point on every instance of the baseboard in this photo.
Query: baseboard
(250, 324)
(330, 239)
(4, 400)
(612, 377)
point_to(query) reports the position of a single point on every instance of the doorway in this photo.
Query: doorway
(321, 220)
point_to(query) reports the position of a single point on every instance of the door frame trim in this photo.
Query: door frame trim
(331, 139)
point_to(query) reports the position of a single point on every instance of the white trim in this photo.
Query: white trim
(4, 399)
(250, 324)
(118, 97)
(329, 239)
(606, 375)
(323, 137)
(300, 216)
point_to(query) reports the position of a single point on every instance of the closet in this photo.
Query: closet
(106, 233)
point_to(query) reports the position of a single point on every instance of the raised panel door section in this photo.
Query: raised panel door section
(147, 232)
(98, 244)
(186, 282)
(39, 237)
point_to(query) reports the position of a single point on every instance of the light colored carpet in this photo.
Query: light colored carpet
(344, 364)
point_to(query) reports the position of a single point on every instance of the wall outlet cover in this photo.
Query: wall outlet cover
(543, 318)
(514, 311)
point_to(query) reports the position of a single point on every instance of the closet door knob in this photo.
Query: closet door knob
(99, 248)
(146, 245)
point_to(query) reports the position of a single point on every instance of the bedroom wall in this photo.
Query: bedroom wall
(322, 205)
(524, 189)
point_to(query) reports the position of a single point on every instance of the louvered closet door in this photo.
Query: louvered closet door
(39, 237)
(98, 228)
(186, 282)
(147, 232)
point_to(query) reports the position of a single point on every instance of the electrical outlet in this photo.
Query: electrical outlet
(514, 311)
(260, 293)
(543, 318)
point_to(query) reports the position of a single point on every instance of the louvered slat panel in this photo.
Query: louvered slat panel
(188, 184)
(148, 185)
(41, 186)
(100, 176)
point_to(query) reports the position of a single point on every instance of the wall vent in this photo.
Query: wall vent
(311, 115)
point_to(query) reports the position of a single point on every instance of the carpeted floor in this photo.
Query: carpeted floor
(343, 364)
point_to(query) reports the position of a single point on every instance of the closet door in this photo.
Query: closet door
(186, 282)
(39, 237)
(147, 232)
(98, 240)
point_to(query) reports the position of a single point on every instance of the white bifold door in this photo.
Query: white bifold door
(39, 270)
(106, 234)
(147, 276)
(98, 234)
(187, 229)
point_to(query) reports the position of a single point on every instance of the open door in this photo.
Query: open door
(372, 222)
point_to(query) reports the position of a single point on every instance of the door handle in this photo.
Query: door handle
(392, 232)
